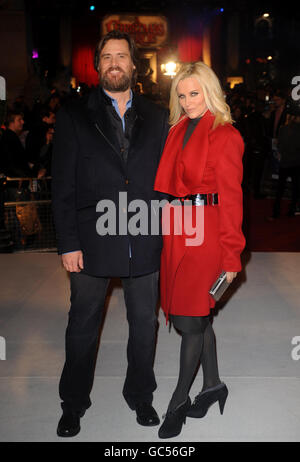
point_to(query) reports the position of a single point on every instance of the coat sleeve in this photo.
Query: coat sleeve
(164, 136)
(229, 174)
(65, 148)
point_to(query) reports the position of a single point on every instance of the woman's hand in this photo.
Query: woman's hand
(230, 276)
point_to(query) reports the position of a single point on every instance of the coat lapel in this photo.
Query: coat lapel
(181, 170)
(99, 119)
(137, 134)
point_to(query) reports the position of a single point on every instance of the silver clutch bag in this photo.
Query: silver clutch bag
(219, 286)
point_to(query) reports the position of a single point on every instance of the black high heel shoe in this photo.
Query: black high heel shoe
(206, 398)
(174, 420)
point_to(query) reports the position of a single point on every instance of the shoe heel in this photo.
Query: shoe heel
(222, 401)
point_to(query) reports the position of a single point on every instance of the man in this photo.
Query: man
(13, 157)
(108, 143)
(276, 120)
(278, 116)
(36, 137)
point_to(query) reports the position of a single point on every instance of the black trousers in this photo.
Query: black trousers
(87, 306)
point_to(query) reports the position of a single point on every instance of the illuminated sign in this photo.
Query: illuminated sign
(147, 31)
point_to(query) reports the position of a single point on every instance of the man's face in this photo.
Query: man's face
(17, 125)
(116, 66)
(278, 101)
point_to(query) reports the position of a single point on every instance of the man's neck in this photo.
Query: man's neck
(122, 98)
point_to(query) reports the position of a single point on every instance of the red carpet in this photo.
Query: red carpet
(281, 235)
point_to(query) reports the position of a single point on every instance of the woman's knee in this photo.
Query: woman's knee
(190, 324)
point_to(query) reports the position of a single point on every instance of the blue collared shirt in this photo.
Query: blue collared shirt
(115, 105)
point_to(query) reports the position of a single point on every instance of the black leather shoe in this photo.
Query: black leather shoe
(146, 415)
(69, 424)
(174, 420)
(206, 398)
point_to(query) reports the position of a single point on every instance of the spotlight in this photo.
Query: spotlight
(221, 10)
(92, 8)
(169, 68)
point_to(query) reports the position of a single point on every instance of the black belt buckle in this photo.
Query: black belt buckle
(198, 199)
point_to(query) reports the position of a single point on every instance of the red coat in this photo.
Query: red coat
(211, 162)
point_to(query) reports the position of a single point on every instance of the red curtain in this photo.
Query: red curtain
(83, 65)
(190, 48)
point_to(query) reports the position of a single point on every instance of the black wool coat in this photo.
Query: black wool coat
(87, 167)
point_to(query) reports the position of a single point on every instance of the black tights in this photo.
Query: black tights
(197, 344)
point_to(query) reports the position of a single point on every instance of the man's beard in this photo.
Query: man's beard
(110, 83)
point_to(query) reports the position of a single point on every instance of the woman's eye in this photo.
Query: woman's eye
(194, 93)
(180, 96)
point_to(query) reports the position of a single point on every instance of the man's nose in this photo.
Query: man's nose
(114, 61)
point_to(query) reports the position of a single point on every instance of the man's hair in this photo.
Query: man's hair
(11, 115)
(117, 35)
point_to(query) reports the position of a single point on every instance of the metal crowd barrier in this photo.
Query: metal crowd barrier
(27, 215)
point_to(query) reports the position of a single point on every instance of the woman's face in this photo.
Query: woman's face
(191, 97)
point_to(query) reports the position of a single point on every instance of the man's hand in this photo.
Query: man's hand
(230, 276)
(73, 261)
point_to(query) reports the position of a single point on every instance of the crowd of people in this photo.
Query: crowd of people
(27, 134)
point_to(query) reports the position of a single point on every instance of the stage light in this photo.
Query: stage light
(269, 58)
(222, 10)
(169, 68)
(266, 15)
(35, 54)
(92, 8)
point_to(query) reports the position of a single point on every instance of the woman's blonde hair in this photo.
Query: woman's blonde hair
(212, 90)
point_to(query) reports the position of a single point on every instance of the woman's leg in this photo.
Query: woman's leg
(190, 353)
(209, 359)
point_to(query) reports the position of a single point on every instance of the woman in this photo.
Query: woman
(202, 162)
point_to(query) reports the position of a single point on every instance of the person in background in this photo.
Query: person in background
(276, 120)
(289, 161)
(36, 137)
(13, 159)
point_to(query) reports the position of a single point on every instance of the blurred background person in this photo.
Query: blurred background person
(289, 160)
(35, 139)
(14, 162)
